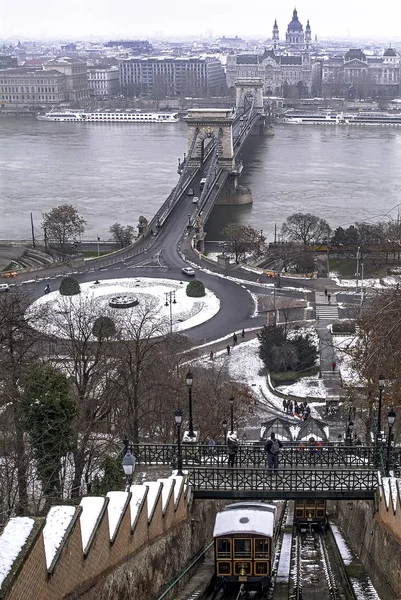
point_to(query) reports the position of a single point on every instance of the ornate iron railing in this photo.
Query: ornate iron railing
(253, 456)
(282, 482)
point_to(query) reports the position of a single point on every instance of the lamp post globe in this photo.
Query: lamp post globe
(128, 464)
(189, 378)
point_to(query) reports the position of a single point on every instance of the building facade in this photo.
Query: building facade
(357, 76)
(282, 75)
(76, 77)
(286, 69)
(103, 82)
(31, 87)
(172, 76)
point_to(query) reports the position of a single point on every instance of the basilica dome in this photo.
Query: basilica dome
(295, 25)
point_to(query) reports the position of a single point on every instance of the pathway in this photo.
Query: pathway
(325, 315)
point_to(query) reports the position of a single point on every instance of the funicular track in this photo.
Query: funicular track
(317, 570)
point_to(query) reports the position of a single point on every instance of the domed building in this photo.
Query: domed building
(295, 37)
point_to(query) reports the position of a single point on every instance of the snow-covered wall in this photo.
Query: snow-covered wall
(78, 546)
(374, 530)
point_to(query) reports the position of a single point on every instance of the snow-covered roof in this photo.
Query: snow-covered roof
(91, 510)
(12, 541)
(255, 518)
(57, 521)
(115, 509)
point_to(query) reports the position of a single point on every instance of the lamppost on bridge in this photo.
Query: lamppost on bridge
(170, 300)
(382, 383)
(178, 419)
(189, 379)
(128, 464)
(350, 429)
(232, 414)
(391, 419)
(225, 431)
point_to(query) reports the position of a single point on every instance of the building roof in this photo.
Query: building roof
(295, 25)
(291, 60)
(355, 53)
(247, 59)
(390, 52)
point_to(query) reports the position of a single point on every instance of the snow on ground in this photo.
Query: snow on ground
(343, 346)
(342, 545)
(364, 590)
(305, 387)
(57, 521)
(377, 283)
(12, 541)
(152, 294)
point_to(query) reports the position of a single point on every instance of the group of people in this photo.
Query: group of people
(228, 347)
(301, 410)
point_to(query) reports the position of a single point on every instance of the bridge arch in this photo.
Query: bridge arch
(208, 125)
(249, 89)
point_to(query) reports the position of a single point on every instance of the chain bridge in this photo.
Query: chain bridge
(213, 164)
(331, 472)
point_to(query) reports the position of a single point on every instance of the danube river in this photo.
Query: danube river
(115, 172)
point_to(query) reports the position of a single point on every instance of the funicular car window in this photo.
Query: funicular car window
(261, 547)
(242, 548)
(224, 548)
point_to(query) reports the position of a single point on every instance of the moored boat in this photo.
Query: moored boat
(109, 117)
(332, 118)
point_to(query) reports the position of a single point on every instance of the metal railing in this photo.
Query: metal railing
(254, 456)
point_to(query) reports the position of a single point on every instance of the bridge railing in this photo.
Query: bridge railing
(329, 456)
(320, 482)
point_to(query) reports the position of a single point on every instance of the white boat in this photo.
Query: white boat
(65, 115)
(331, 118)
(109, 117)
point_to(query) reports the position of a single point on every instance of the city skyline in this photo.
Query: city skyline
(97, 19)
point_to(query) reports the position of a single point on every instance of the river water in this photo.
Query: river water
(115, 172)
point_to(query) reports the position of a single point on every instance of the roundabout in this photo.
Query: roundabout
(132, 304)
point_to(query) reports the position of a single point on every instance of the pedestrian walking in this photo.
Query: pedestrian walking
(243, 333)
(325, 293)
(285, 405)
(272, 449)
(211, 355)
(329, 298)
(333, 365)
(228, 348)
(235, 339)
(232, 449)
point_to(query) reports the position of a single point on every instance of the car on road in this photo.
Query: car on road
(195, 200)
(191, 192)
(188, 271)
(4, 287)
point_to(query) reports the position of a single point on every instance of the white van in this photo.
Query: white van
(195, 200)
(4, 287)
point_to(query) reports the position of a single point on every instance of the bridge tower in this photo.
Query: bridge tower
(248, 90)
(209, 124)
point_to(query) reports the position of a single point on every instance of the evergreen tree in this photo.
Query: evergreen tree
(48, 412)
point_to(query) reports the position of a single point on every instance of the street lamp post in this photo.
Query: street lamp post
(382, 383)
(128, 464)
(189, 379)
(350, 428)
(232, 413)
(170, 300)
(225, 431)
(390, 418)
(178, 419)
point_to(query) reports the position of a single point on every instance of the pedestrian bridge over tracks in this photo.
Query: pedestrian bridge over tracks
(330, 472)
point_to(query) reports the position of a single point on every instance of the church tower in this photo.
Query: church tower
(275, 37)
(295, 37)
(308, 37)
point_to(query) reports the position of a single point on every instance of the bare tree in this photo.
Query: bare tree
(63, 223)
(306, 228)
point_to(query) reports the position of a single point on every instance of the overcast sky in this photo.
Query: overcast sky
(77, 19)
